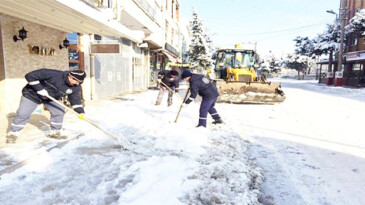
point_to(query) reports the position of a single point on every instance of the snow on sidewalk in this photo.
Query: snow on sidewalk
(168, 163)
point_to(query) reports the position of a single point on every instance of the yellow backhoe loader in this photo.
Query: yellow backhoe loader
(236, 80)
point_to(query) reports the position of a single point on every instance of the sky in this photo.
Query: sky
(294, 150)
(272, 25)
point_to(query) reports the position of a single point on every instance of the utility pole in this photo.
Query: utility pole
(343, 11)
(331, 51)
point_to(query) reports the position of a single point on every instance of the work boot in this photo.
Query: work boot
(218, 121)
(11, 137)
(169, 104)
(157, 103)
(56, 134)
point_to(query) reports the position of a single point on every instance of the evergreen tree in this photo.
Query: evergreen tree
(200, 52)
(298, 62)
(328, 40)
(328, 43)
(304, 53)
(324, 44)
(357, 23)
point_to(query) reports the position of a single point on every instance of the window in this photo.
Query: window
(354, 41)
(97, 37)
(172, 36)
(177, 13)
(356, 67)
(73, 38)
(74, 54)
(166, 30)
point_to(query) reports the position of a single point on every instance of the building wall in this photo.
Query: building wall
(352, 7)
(2, 73)
(119, 73)
(17, 60)
(354, 74)
(87, 84)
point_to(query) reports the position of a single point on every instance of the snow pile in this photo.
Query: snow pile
(314, 86)
(226, 174)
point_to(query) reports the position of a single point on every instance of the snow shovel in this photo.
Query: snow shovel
(78, 115)
(171, 90)
(186, 96)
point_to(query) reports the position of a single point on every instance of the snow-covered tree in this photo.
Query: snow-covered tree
(305, 53)
(303, 46)
(211, 46)
(298, 62)
(357, 23)
(200, 52)
(327, 41)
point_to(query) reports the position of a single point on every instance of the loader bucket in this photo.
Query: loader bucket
(254, 92)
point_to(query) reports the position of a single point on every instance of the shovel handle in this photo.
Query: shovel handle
(77, 114)
(186, 95)
(171, 90)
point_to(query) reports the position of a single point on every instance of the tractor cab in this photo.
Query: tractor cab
(235, 64)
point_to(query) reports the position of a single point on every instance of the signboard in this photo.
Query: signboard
(180, 65)
(172, 49)
(105, 48)
(38, 50)
(354, 56)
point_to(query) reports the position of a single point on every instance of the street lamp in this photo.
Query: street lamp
(331, 51)
(332, 12)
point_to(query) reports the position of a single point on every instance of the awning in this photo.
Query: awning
(169, 56)
(180, 65)
(68, 16)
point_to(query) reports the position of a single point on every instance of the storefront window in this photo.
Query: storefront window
(356, 67)
(324, 67)
(73, 51)
(73, 38)
(73, 54)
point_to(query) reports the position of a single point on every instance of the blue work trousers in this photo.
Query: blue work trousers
(205, 107)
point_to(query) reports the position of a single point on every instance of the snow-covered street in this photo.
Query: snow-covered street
(306, 150)
(311, 147)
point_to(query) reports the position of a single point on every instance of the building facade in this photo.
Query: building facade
(354, 57)
(169, 55)
(111, 40)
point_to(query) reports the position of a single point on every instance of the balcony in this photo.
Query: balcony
(140, 15)
(69, 16)
(147, 8)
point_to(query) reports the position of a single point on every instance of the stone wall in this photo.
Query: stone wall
(2, 74)
(18, 60)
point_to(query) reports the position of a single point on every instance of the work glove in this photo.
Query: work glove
(187, 101)
(80, 110)
(159, 80)
(82, 116)
(42, 92)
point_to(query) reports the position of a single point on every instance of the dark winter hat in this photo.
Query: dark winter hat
(174, 72)
(186, 74)
(78, 75)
